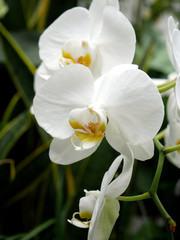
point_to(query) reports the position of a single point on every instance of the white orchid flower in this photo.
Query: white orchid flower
(99, 39)
(99, 210)
(177, 89)
(173, 111)
(173, 44)
(173, 48)
(123, 105)
(172, 137)
(172, 133)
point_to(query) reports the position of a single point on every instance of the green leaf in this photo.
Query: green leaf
(28, 41)
(19, 66)
(14, 237)
(39, 229)
(10, 108)
(30, 235)
(10, 134)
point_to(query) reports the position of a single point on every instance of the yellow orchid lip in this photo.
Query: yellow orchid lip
(86, 223)
(89, 134)
(84, 60)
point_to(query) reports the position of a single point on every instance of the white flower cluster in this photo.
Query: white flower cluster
(172, 135)
(86, 89)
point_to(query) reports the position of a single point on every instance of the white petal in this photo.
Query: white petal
(96, 12)
(63, 152)
(133, 103)
(108, 176)
(78, 223)
(69, 88)
(120, 184)
(102, 206)
(96, 8)
(178, 91)
(170, 30)
(72, 24)
(116, 139)
(41, 76)
(101, 226)
(99, 94)
(173, 112)
(172, 136)
(172, 25)
(176, 49)
(144, 151)
(116, 41)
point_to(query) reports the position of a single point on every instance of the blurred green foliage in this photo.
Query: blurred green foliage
(36, 196)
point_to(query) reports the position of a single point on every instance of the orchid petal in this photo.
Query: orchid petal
(116, 41)
(120, 184)
(108, 176)
(144, 151)
(173, 111)
(68, 88)
(116, 140)
(79, 224)
(72, 24)
(63, 152)
(101, 228)
(178, 91)
(176, 49)
(171, 27)
(96, 12)
(99, 94)
(41, 76)
(103, 205)
(172, 138)
(134, 105)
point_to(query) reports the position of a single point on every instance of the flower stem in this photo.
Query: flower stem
(157, 176)
(153, 190)
(158, 145)
(160, 207)
(166, 86)
(152, 193)
(169, 221)
(160, 135)
(143, 196)
(155, 183)
(171, 149)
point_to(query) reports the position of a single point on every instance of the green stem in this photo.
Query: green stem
(143, 196)
(160, 135)
(155, 183)
(169, 221)
(158, 145)
(157, 176)
(167, 86)
(160, 207)
(166, 83)
(153, 190)
(171, 149)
